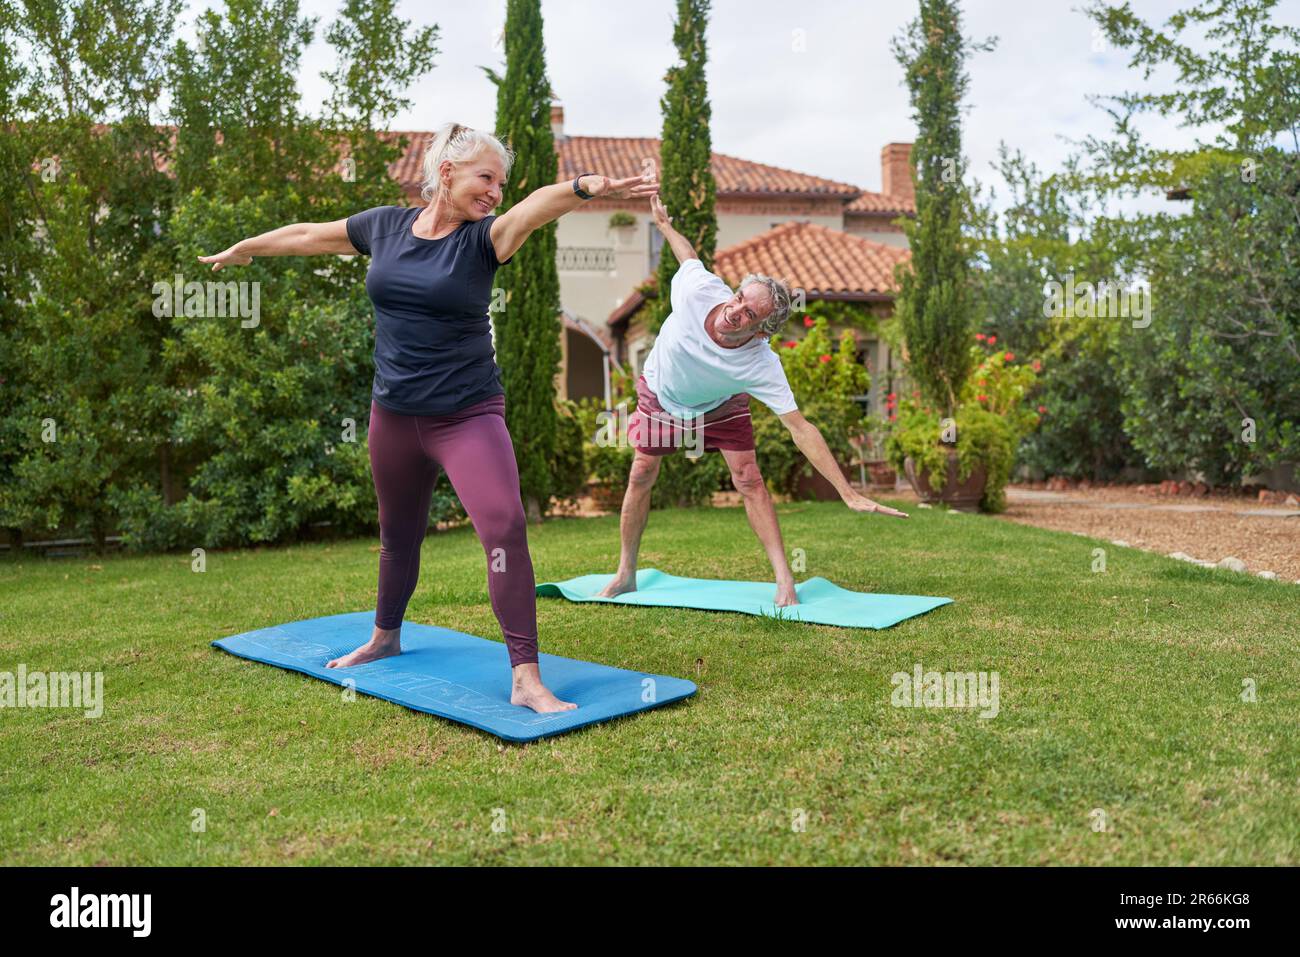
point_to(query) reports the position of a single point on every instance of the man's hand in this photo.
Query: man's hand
(675, 240)
(860, 503)
(662, 220)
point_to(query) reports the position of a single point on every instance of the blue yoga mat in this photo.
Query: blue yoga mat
(820, 601)
(460, 677)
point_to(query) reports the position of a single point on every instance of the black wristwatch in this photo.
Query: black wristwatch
(577, 189)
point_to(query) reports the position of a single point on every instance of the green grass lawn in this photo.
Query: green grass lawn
(1120, 691)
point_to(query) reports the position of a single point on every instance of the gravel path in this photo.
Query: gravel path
(1266, 538)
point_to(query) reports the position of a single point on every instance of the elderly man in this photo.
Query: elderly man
(711, 355)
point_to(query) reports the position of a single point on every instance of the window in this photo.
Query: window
(656, 244)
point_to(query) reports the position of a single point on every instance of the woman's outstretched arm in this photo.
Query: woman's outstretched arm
(511, 228)
(298, 239)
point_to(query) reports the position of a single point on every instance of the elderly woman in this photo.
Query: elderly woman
(710, 357)
(437, 399)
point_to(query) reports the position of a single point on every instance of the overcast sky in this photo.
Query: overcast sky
(811, 86)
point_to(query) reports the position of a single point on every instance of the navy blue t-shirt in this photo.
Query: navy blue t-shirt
(433, 342)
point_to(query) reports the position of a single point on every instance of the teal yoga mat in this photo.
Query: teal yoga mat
(453, 675)
(820, 602)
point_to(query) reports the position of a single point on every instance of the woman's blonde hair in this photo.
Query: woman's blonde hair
(460, 144)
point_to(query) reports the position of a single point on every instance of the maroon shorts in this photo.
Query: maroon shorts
(655, 432)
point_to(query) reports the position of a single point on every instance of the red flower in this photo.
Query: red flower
(1038, 366)
(993, 340)
(980, 337)
(1042, 410)
(1009, 357)
(983, 382)
(790, 343)
(824, 358)
(809, 321)
(892, 397)
(981, 398)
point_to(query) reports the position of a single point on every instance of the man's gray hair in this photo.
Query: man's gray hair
(779, 293)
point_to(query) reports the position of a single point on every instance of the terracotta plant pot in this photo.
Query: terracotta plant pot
(816, 487)
(882, 475)
(606, 496)
(963, 496)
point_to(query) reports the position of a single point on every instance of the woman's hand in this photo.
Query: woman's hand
(227, 258)
(860, 503)
(634, 187)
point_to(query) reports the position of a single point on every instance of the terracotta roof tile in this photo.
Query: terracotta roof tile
(825, 262)
(875, 204)
(623, 155)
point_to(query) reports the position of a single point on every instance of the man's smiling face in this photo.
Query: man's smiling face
(744, 312)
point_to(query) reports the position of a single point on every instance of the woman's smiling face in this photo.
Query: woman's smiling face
(475, 186)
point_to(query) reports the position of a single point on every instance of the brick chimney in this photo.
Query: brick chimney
(557, 121)
(895, 177)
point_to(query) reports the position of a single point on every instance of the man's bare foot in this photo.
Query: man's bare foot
(527, 691)
(618, 585)
(785, 595)
(382, 644)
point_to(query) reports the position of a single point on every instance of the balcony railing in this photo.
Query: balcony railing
(585, 258)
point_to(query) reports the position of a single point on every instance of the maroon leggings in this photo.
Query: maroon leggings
(474, 448)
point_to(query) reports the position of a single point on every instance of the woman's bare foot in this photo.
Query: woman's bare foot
(527, 691)
(382, 644)
(618, 585)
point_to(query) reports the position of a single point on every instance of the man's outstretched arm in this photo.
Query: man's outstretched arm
(810, 442)
(675, 240)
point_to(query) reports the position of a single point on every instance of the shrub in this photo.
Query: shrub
(824, 380)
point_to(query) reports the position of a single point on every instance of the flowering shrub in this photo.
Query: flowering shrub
(1001, 386)
(824, 378)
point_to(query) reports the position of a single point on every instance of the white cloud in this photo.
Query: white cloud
(827, 110)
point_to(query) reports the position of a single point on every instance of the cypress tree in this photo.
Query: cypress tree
(933, 303)
(528, 327)
(686, 183)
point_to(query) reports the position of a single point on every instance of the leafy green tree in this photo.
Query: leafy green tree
(528, 328)
(81, 408)
(18, 263)
(686, 183)
(934, 302)
(1047, 231)
(369, 40)
(269, 414)
(1209, 386)
(1214, 381)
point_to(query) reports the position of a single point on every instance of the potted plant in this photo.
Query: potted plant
(882, 473)
(609, 468)
(965, 460)
(622, 224)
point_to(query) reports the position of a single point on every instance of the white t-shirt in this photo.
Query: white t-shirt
(690, 373)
